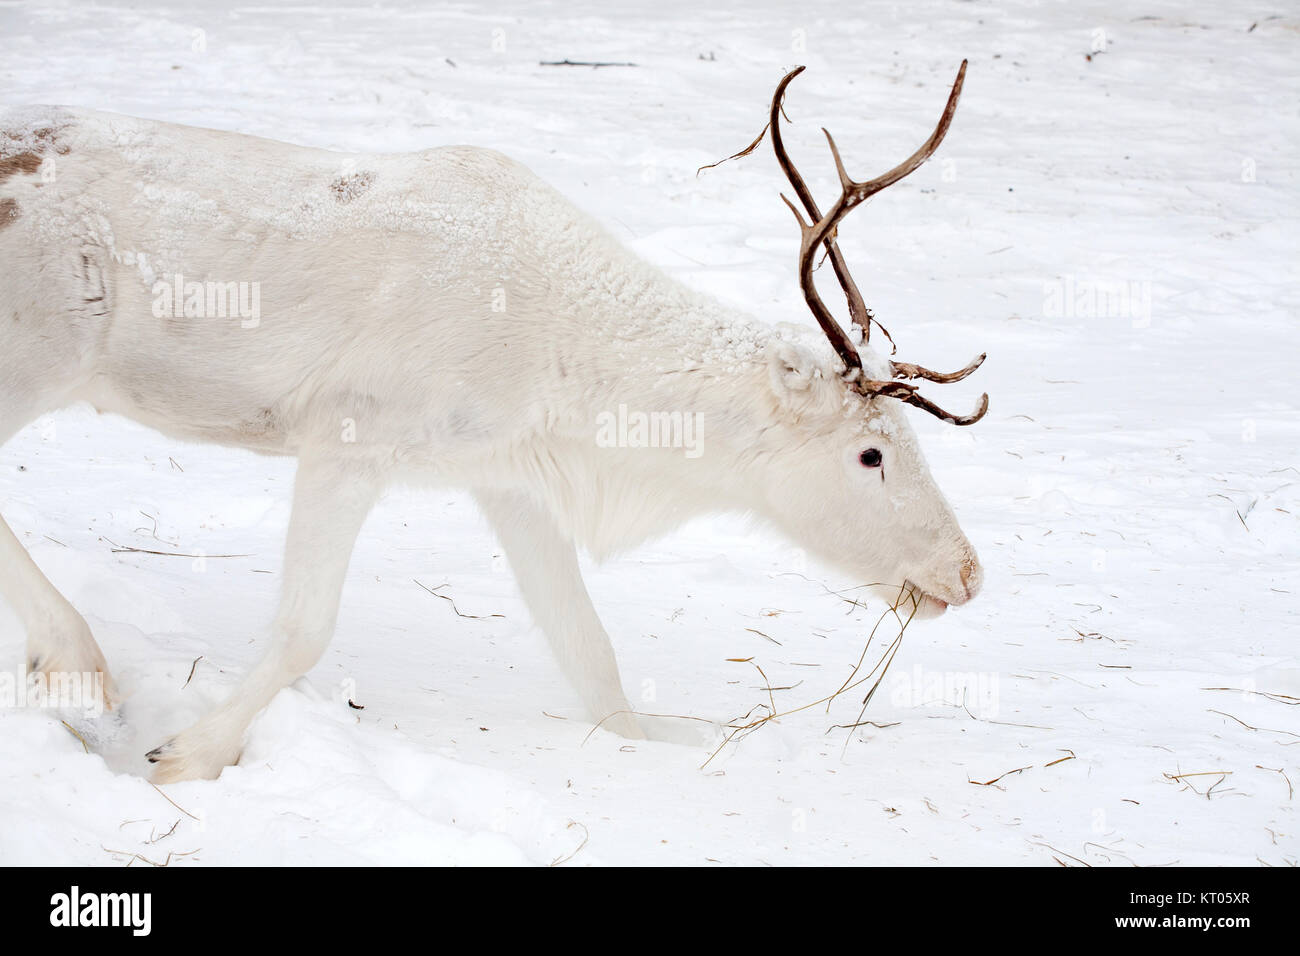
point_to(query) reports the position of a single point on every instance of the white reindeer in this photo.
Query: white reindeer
(443, 318)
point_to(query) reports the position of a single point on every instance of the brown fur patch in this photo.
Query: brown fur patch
(34, 145)
(349, 187)
(44, 136)
(8, 212)
(19, 163)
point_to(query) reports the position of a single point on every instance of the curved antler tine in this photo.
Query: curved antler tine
(909, 394)
(778, 145)
(855, 193)
(908, 370)
(912, 163)
(798, 216)
(920, 402)
(846, 181)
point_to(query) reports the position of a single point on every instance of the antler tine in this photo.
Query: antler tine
(858, 311)
(921, 402)
(908, 370)
(853, 193)
(908, 393)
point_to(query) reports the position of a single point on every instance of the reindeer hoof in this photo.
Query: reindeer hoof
(76, 678)
(190, 756)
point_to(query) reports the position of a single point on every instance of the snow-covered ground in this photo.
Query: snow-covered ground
(1134, 492)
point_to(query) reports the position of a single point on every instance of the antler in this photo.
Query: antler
(822, 232)
(858, 310)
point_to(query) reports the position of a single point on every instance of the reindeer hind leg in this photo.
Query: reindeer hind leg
(60, 649)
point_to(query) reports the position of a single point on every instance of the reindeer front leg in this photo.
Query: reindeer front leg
(330, 502)
(545, 563)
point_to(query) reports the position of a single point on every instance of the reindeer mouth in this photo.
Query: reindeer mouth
(926, 604)
(932, 606)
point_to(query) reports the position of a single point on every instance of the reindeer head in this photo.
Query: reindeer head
(857, 488)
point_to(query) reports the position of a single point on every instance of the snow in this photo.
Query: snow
(1118, 233)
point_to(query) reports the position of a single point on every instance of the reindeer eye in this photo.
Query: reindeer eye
(870, 458)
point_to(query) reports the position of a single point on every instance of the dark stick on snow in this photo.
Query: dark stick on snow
(127, 549)
(594, 64)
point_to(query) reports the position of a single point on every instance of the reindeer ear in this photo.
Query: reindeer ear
(798, 380)
(791, 367)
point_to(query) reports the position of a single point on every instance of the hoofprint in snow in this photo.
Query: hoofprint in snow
(1115, 230)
